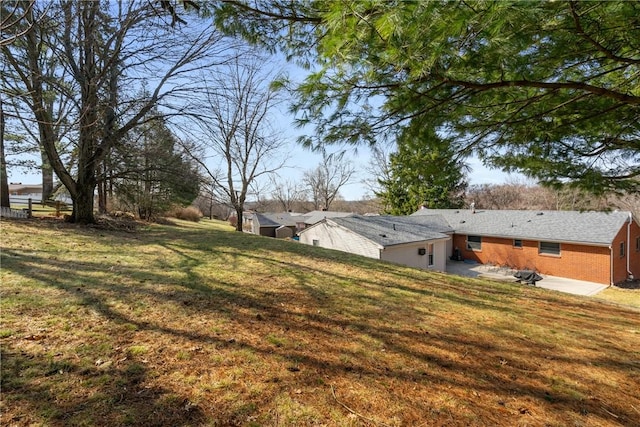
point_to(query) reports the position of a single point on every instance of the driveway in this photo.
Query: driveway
(577, 287)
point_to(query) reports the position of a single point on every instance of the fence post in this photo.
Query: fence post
(30, 211)
(58, 208)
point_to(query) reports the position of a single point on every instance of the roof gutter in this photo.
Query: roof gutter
(536, 239)
(413, 243)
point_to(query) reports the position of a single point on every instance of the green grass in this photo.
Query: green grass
(629, 297)
(195, 324)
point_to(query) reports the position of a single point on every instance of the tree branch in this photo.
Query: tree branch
(608, 53)
(600, 91)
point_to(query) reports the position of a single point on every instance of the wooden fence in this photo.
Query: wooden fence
(28, 202)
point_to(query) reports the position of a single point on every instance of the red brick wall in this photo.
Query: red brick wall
(581, 262)
(635, 254)
(620, 263)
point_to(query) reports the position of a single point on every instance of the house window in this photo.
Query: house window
(316, 242)
(637, 244)
(474, 243)
(430, 248)
(621, 249)
(549, 248)
(517, 243)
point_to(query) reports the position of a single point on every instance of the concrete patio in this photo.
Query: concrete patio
(577, 287)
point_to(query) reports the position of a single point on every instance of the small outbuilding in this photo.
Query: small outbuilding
(267, 224)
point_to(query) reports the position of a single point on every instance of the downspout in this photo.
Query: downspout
(611, 264)
(629, 273)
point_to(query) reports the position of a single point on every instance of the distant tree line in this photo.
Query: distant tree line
(515, 195)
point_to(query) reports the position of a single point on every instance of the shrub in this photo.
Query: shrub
(188, 214)
(233, 220)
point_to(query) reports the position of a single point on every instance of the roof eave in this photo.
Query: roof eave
(439, 239)
(537, 239)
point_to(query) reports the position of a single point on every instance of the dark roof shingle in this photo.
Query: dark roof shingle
(596, 228)
(392, 230)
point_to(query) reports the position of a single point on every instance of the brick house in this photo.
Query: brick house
(601, 247)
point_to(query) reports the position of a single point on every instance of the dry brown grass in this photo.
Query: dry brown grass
(189, 213)
(198, 325)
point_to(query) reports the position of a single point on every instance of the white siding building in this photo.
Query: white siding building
(402, 240)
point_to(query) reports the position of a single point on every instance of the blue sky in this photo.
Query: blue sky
(302, 159)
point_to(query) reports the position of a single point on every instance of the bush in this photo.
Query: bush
(188, 214)
(233, 220)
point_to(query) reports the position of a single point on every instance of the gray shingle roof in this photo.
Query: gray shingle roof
(314, 217)
(596, 228)
(391, 230)
(275, 219)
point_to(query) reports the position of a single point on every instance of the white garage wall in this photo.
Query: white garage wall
(408, 255)
(330, 235)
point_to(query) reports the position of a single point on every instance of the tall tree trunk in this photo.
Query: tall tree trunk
(47, 176)
(83, 205)
(109, 131)
(102, 198)
(239, 212)
(4, 182)
(86, 74)
(102, 189)
(83, 199)
(33, 78)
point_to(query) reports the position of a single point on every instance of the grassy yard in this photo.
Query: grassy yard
(194, 324)
(621, 296)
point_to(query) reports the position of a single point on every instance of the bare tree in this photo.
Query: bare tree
(237, 132)
(325, 181)
(4, 183)
(13, 16)
(377, 168)
(628, 202)
(519, 195)
(287, 193)
(487, 196)
(40, 95)
(135, 41)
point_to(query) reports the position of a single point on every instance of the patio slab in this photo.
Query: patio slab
(561, 284)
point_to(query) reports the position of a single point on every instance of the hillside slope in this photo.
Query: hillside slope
(197, 325)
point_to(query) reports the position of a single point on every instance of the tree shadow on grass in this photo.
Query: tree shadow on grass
(46, 391)
(345, 344)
